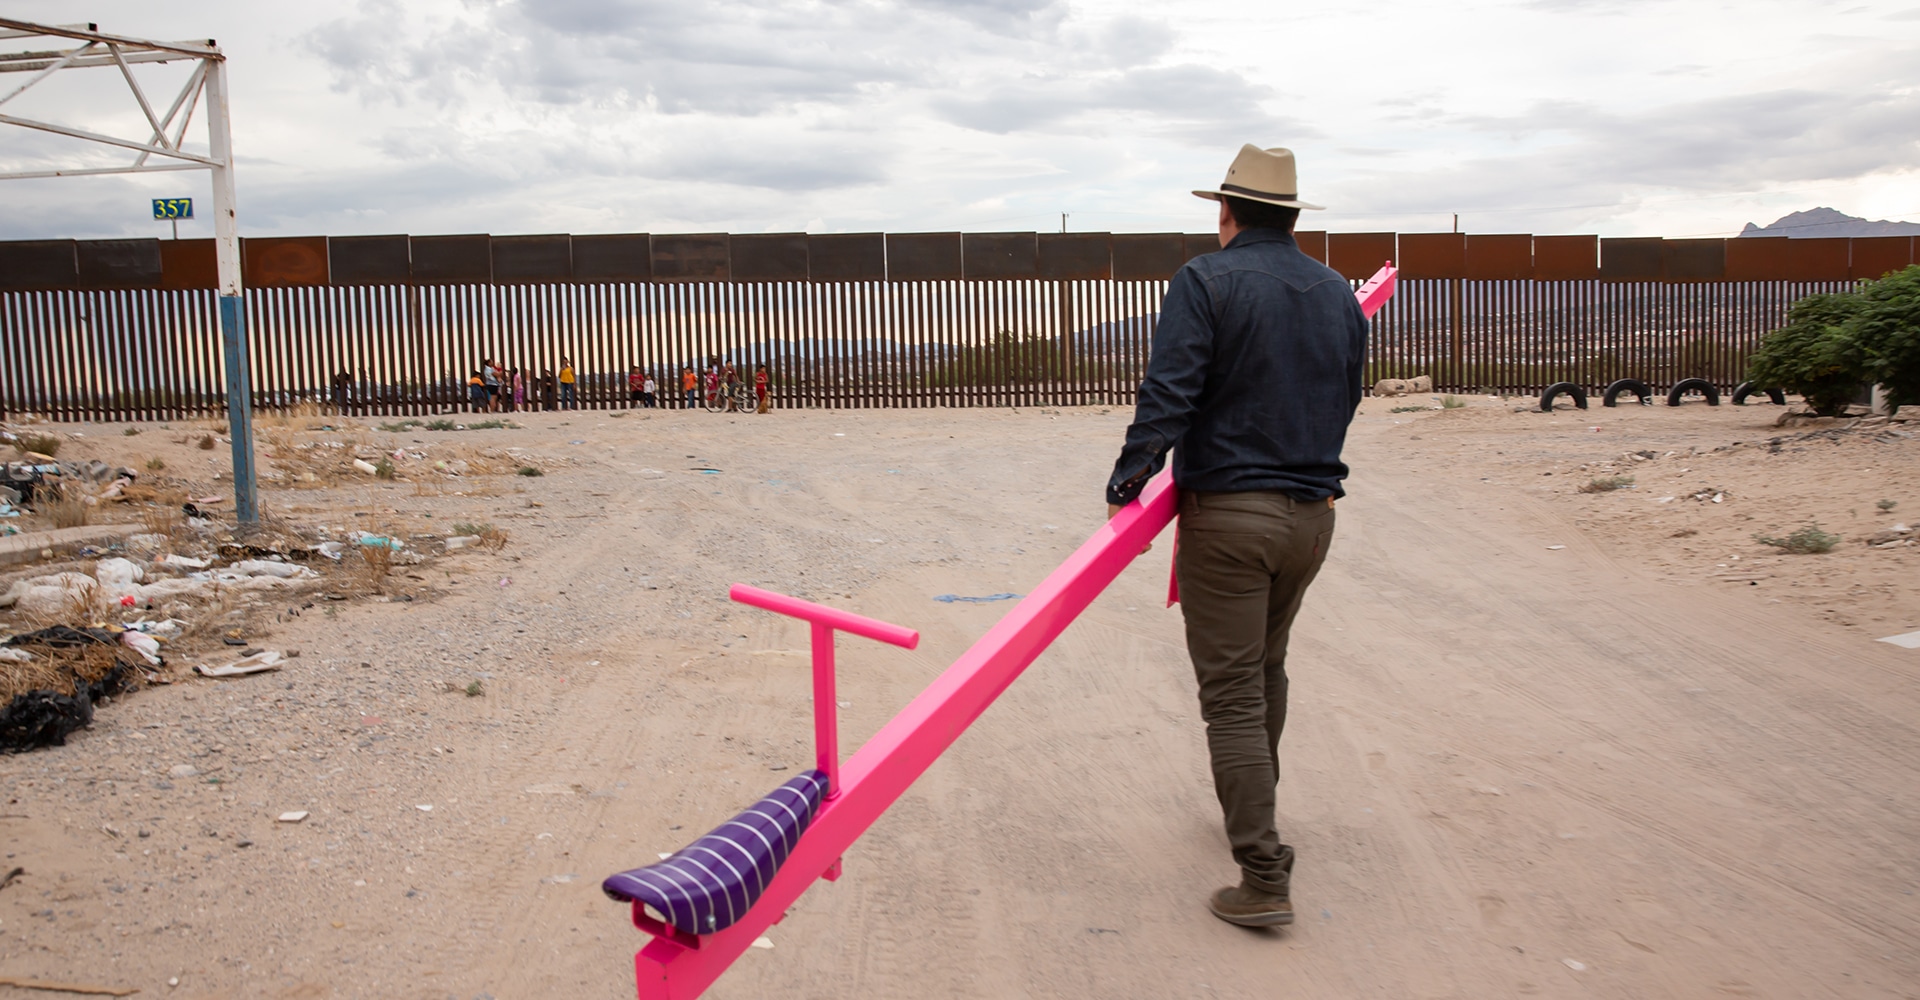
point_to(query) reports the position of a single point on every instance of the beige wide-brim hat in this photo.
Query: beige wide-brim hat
(1263, 175)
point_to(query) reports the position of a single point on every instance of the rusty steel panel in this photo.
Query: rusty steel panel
(1076, 256)
(369, 260)
(1432, 255)
(847, 257)
(1874, 257)
(1358, 255)
(1638, 258)
(283, 261)
(1148, 256)
(1313, 243)
(39, 264)
(1778, 258)
(999, 255)
(188, 264)
(1695, 260)
(1499, 257)
(770, 257)
(532, 260)
(613, 257)
(119, 263)
(692, 257)
(1197, 244)
(453, 260)
(923, 257)
(1566, 258)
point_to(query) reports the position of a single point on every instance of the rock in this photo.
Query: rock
(297, 816)
(1392, 387)
(182, 771)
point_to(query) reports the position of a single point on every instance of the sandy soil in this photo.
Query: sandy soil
(1616, 769)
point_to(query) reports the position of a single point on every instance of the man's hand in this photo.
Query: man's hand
(1114, 508)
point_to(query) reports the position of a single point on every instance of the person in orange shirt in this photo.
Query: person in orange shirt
(690, 386)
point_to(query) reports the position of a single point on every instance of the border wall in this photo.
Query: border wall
(388, 325)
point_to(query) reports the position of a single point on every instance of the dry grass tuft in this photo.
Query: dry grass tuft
(206, 442)
(66, 508)
(370, 573)
(162, 520)
(45, 444)
(55, 669)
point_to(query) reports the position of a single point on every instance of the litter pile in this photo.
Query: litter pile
(51, 678)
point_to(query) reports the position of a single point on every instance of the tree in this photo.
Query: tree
(1817, 354)
(1888, 329)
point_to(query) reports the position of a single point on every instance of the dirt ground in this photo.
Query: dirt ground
(1543, 742)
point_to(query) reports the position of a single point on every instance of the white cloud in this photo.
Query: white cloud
(1620, 116)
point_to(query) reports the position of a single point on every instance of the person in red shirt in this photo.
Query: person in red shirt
(760, 389)
(713, 384)
(636, 385)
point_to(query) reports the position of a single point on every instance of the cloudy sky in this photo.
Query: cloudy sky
(1621, 117)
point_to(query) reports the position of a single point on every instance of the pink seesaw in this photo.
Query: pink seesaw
(706, 904)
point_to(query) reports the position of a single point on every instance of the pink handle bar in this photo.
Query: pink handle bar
(820, 614)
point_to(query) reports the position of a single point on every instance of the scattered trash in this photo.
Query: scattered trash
(505, 580)
(183, 562)
(332, 550)
(15, 656)
(373, 541)
(458, 542)
(1574, 965)
(766, 942)
(990, 598)
(365, 467)
(424, 808)
(1910, 640)
(551, 789)
(260, 662)
(144, 644)
(296, 816)
(44, 704)
(1555, 547)
(558, 879)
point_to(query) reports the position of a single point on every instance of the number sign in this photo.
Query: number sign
(173, 208)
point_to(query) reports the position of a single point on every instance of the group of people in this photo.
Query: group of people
(496, 388)
(723, 384)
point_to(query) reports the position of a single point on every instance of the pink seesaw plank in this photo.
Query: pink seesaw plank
(875, 776)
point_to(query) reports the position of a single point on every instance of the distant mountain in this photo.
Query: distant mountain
(1827, 222)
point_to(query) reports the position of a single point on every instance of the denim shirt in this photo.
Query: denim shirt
(1254, 377)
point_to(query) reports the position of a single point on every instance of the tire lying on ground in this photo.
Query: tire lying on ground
(1573, 392)
(1699, 385)
(1632, 385)
(1746, 389)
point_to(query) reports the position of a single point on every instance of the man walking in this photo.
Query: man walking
(1254, 377)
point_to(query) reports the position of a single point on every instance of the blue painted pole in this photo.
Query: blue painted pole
(233, 333)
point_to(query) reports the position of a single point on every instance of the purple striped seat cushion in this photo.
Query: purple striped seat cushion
(710, 884)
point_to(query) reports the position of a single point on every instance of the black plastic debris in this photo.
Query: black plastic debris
(47, 716)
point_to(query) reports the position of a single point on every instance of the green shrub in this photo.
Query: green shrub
(400, 427)
(1834, 343)
(1816, 354)
(487, 425)
(1606, 484)
(441, 425)
(528, 470)
(383, 468)
(1410, 409)
(1888, 327)
(470, 528)
(1452, 402)
(1809, 540)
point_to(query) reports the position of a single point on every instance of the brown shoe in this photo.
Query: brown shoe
(1248, 906)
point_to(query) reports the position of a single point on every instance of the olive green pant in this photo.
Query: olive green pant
(1244, 562)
